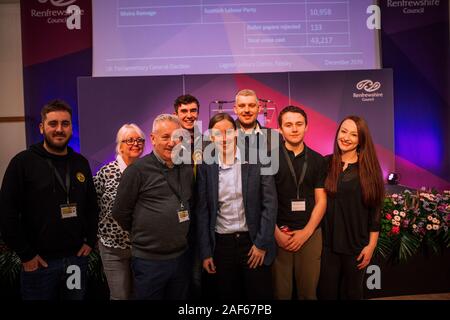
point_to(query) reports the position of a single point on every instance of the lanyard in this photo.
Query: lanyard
(178, 192)
(66, 186)
(291, 168)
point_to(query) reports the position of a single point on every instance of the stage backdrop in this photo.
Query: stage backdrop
(415, 42)
(55, 51)
(327, 97)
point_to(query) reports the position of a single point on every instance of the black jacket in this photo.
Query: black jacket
(30, 199)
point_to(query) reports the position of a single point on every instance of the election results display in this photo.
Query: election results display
(172, 37)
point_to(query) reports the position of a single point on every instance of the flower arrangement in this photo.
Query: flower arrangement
(412, 221)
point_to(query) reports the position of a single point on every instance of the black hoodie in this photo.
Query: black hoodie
(30, 199)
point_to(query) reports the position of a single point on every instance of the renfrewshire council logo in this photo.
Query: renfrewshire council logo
(70, 16)
(368, 90)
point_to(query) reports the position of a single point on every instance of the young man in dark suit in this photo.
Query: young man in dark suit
(236, 212)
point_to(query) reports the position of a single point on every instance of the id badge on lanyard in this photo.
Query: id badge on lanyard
(298, 205)
(183, 214)
(68, 210)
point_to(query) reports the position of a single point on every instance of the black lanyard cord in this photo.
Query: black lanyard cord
(66, 186)
(291, 168)
(178, 193)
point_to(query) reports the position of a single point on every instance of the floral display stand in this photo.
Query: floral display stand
(413, 250)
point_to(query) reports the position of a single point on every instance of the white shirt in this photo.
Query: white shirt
(231, 214)
(122, 164)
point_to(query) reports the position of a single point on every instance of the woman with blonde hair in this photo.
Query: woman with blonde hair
(114, 244)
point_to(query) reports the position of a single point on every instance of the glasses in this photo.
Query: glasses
(131, 141)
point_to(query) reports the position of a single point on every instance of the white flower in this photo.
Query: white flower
(435, 227)
(393, 222)
(428, 196)
(397, 218)
(435, 220)
(430, 218)
(395, 212)
(414, 226)
(394, 195)
(402, 214)
(397, 223)
(429, 227)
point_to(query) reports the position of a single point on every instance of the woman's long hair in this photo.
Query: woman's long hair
(369, 168)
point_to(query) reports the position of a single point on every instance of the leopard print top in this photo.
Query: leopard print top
(106, 182)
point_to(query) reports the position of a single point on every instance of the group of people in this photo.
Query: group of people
(239, 212)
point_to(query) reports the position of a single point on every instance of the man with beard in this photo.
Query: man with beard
(255, 142)
(49, 211)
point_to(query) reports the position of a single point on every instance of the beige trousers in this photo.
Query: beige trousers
(303, 266)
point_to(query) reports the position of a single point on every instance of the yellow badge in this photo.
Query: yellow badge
(80, 177)
(197, 156)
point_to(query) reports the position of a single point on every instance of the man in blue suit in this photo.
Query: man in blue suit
(236, 212)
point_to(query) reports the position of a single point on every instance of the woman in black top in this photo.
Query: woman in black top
(355, 190)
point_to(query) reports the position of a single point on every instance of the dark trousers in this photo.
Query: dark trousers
(195, 286)
(235, 280)
(340, 279)
(162, 279)
(63, 279)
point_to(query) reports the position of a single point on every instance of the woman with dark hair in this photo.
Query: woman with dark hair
(355, 191)
(236, 210)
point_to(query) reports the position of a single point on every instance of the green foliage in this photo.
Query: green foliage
(10, 266)
(95, 267)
